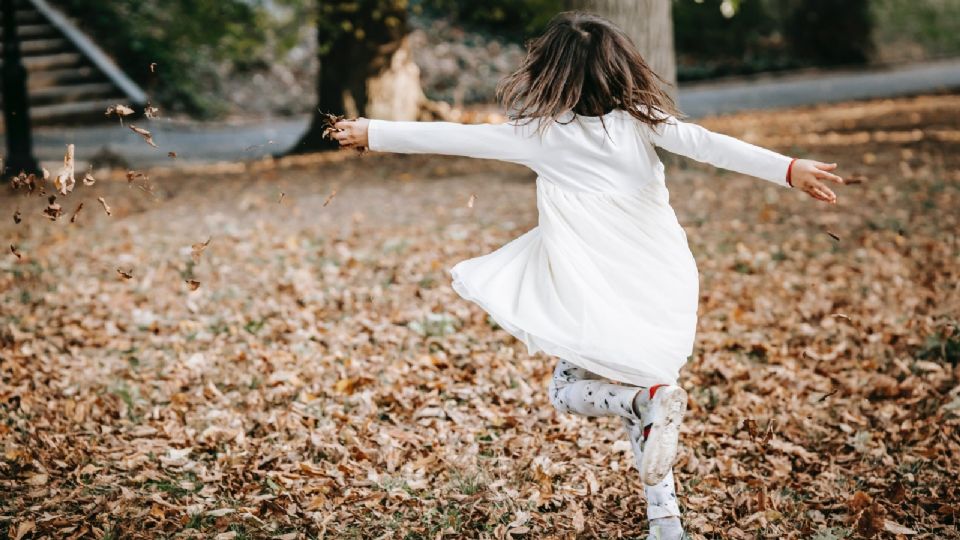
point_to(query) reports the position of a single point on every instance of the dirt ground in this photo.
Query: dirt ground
(324, 381)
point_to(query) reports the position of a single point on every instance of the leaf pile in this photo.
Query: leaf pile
(326, 382)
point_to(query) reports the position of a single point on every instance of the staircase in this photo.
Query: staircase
(70, 80)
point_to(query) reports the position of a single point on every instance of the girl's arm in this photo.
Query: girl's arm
(505, 142)
(701, 144)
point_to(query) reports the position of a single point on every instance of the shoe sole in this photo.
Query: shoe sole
(660, 448)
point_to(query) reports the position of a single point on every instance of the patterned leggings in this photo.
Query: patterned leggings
(576, 390)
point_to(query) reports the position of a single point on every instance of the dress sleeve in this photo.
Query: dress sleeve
(701, 144)
(505, 142)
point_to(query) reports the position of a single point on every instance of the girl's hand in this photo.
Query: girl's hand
(807, 174)
(352, 133)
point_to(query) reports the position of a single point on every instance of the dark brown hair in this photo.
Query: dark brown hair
(585, 64)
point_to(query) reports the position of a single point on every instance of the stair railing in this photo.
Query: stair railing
(90, 49)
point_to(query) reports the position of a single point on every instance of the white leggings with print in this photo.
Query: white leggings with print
(576, 390)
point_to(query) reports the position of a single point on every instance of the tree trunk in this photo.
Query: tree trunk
(649, 23)
(366, 66)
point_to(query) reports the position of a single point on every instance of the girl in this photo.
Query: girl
(606, 282)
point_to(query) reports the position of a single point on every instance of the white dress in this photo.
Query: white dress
(606, 281)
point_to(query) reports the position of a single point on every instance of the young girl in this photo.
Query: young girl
(606, 282)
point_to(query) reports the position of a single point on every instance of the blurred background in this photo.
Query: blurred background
(223, 76)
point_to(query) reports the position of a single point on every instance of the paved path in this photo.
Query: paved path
(211, 142)
(807, 89)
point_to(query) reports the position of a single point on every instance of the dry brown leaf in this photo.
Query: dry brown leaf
(172, 155)
(13, 249)
(330, 197)
(65, 181)
(196, 250)
(53, 211)
(125, 274)
(106, 207)
(73, 218)
(120, 111)
(16, 217)
(193, 284)
(145, 134)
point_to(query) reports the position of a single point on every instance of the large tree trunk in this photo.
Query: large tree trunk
(649, 23)
(366, 66)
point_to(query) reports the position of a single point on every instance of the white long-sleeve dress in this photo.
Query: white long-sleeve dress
(606, 280)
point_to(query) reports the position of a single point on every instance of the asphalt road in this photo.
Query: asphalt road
(200, 143)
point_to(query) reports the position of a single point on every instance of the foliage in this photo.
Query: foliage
(911, 29)
(517, 18)
(186, 39)
(324, 380)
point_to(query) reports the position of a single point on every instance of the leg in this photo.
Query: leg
(576, 390)
(663, 512)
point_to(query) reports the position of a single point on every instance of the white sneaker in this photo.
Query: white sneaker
(661, 432)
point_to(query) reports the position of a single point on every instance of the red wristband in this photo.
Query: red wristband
(790, 171)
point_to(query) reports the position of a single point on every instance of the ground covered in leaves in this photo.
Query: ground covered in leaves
(310, 373)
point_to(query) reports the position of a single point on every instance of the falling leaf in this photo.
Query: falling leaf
(471, 200)
(330, 197)
(53, 210)
(197, 249)
(135, 175)
(65, 181)
(13, 249)
(73, 218)
(145, 134)
(103, 203)
(88, 179)
(194, 284)
(16, 217)
(151, 112)
(125, 274)
(120, 111)
(172, 155)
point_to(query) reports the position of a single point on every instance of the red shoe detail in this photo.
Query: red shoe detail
(653, 389)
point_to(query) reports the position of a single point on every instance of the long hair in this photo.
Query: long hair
(583, 64)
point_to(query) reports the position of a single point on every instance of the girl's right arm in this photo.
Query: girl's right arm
(505, 142)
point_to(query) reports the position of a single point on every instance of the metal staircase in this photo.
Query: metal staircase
(70, 79)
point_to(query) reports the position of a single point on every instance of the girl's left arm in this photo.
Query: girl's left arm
(723, 151)
(505, 142)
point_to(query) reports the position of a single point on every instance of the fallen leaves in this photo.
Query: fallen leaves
(13, 249)
(328, 381)
(125, 274)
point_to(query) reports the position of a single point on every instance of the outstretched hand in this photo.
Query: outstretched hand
(352, 133)
(808, 175)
